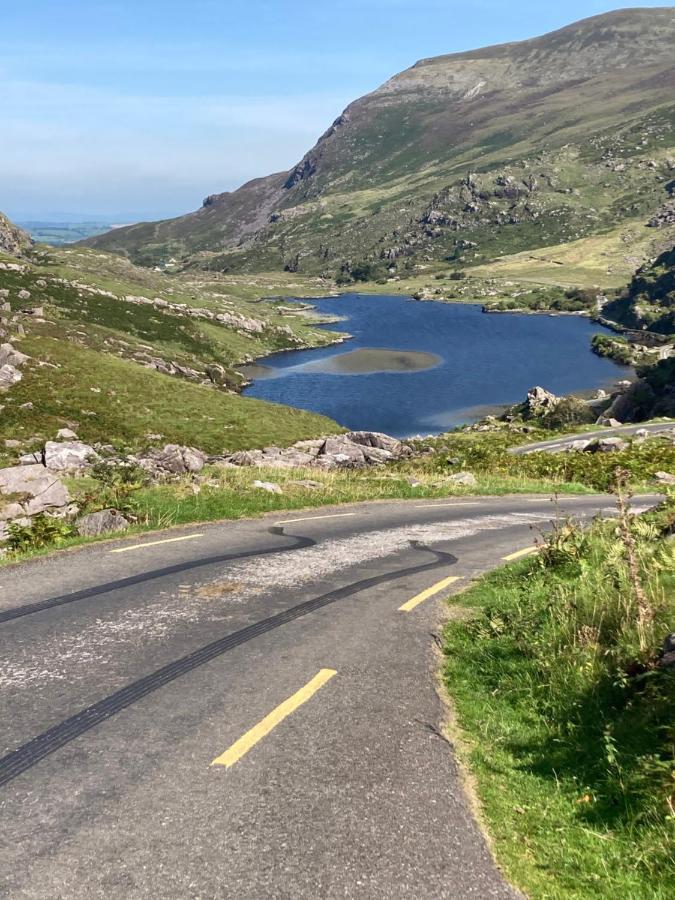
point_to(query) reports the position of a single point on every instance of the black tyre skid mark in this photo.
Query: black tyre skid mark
(30, 753)
(17, 612)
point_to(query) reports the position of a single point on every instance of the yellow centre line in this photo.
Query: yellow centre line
(262, 729)
(187, 537)
(310, 518)
(526, 551)
(434, 589)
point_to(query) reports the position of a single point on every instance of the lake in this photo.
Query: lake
(422, 368)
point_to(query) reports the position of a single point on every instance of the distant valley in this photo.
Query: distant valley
(59, 233)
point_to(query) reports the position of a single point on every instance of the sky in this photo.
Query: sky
(137, 109)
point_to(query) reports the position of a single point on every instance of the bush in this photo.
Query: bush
(43, 531)
(116, 484)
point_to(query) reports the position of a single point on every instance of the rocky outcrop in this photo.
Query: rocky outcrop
(13, 240)
(173, 460)
(354, 450)
(539, 402)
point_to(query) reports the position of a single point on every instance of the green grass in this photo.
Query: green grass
(118, 402)
(564, 722)
(486, 454)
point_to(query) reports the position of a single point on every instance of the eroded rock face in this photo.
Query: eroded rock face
(30, 490)
(69, 456)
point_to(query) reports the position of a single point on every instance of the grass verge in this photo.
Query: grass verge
(565, 713)
(220, 494)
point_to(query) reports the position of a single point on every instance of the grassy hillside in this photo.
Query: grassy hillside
(120, 353)
(649, 300)
(458, 160)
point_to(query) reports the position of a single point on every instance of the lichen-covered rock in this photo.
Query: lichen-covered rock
(607, 445)
(66, 434)
(540, 401)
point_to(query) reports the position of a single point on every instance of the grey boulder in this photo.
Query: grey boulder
(69, 456)
(10, 356)
(105, 521)
(32, 489)
(174, 459)
(9, 376)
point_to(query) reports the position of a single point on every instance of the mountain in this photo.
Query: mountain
(462, 158)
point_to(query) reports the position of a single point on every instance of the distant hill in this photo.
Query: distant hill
(459, 160)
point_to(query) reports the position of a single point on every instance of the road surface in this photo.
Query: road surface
(247, 709)
(562, 443)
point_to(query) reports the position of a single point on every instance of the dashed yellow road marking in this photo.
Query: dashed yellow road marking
(187, 537)
(258, 732)
(310, 518)
(526, 551)
(429, 592)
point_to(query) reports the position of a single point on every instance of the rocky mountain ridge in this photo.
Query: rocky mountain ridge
(507, 147)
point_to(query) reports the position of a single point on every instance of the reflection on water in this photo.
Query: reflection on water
(452, 364)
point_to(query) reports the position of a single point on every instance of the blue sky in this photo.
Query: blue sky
(139, 109)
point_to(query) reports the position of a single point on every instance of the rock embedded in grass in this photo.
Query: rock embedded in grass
(105, 521)
(270, 486)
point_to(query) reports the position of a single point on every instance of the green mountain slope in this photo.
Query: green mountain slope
(133, 357)
(649, 300)
(464, 157)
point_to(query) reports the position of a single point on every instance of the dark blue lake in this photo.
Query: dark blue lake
(462, 364)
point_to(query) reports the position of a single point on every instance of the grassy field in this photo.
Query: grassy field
(118, 402)
(93, 354)
(564, 719)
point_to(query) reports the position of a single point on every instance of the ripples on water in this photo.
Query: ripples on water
(427, 367)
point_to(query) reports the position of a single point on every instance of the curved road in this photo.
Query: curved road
(563, 442)
(247, 709)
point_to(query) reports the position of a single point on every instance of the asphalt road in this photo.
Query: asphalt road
(561, 443)
(247, 709)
